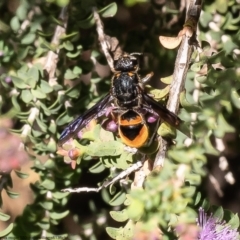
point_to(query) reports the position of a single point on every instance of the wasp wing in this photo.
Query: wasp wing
(80, 122)
(163, 112)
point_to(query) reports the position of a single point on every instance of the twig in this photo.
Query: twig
(52, 57)
(108, 44)
(123, 174)
(180, 72)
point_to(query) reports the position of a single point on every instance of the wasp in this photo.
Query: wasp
(133, 109)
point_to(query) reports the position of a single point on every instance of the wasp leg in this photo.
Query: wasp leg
(147, 78)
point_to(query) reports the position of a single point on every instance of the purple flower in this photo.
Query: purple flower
(8, 79)
(214, 229)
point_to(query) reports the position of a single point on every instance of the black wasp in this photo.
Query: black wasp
(133, 109)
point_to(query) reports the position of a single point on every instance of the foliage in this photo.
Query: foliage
(41, 105)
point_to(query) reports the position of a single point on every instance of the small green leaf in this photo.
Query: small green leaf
(33, 73)
(86, 23)
(68, 45)
(38, 93)
(21, 174)
(15, 24)
(235, 98)
(70, 75)
(48, 184)
(46, 205)
(104, 148)
(119, 216)
(44, 225)
(4, 217)
(97, 168)
(108, 11)
(135, 210)
(21, 12)
(58, 216)
(49, 164)
(41, 124)
(219, 213)
(118, 199)
(128, 230)
(7, 230)
(28, 38)
(60, 195)
(26, 96)
(113, 232)
(198, 198)
(188, 106)
(167, 80)
(73, 92)
(234, 222)
(77, 70)
(12, 195)
(19, 83)
(45, 87)
(166, 130)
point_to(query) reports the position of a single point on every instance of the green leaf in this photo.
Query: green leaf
(26, 96)
(166, 130)
(104, 148)
(33, 73)
(46, 205)
(69, 74)
(28, 38)
(4, 217)
(21, 174)
(235, 98)
(38, 93)
(118, 199)
(68, 45)
(73, 92)
(198, 198)
(97, 168)
(21, 12)
(135, 210)
(7, 230)
(44, 225)
(119, 216)
(108, 11)
(77, 70)
(58, 216)
(19, 83)
(60, 195)
(49, 164)
(42, 125)
(86, 23)
(219, 213)
(188, 106)
(12, 195)
(45, 87)
(15, 24)
(113, 232)
(48, 184)
(128, 230)
(167, 80)
(234, 222)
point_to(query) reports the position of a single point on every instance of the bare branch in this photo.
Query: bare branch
(180, 70)
(121, 175)
(52, 57)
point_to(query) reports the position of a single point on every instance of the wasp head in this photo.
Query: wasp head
(126, 63)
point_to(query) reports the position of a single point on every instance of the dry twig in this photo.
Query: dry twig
(180, 71)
